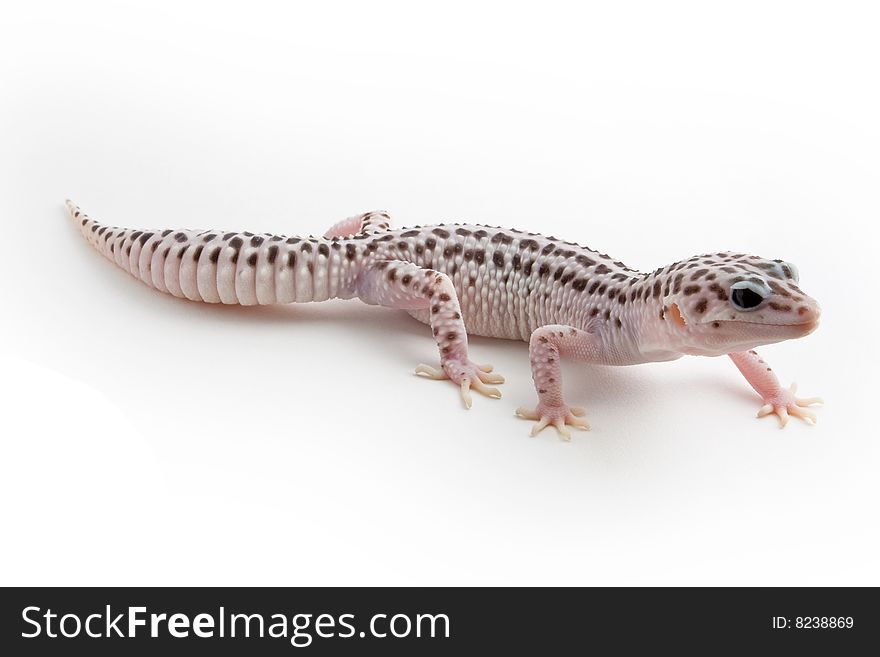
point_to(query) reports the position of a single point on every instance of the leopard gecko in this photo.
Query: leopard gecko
(565, 300)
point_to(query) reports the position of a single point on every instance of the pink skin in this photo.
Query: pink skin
(546, 346)
(777, 400)
(567, 300)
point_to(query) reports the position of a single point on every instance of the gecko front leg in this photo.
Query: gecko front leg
(404, 285)
(546, 346)
(777, 400)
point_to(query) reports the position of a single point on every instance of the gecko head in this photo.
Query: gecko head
(727, 302)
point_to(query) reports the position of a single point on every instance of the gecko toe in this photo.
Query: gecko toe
(485, 377)
(466, 393)
(539, 427)
(561, 417)
(430, 372)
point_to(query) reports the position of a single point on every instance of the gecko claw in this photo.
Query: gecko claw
(784, 405)
(467, 376)
(561, 417)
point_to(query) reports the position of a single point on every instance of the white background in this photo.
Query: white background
(148, 440)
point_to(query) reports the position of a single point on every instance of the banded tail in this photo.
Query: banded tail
(226, 267)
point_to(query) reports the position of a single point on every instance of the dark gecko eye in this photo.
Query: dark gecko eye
(744, 296)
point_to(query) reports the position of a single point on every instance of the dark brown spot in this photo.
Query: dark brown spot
(324, 250)
(719, 291)
(430, 243)
(441, 233)
(236, 243)
(479, 256)
(256, 240)
(691, 289)
(291, 259)
(498, 259)
(252, 259)
(272, 253)
(350, 251)
(701, 306)
(180, 237)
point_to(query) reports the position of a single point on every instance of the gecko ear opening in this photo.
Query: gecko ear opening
(676, 316)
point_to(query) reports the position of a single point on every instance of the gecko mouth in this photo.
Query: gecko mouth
(806, 327)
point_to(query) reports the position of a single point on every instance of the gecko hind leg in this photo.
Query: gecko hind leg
(369, 222)
(404, 285)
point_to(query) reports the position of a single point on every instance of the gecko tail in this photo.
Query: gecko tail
(216, 266)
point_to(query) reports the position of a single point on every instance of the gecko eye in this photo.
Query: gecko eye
(745, 296)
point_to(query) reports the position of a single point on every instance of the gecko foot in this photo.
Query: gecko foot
(465, 375)
(784, 404)
(558, 416)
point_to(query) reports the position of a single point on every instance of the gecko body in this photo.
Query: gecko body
(564, 299)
